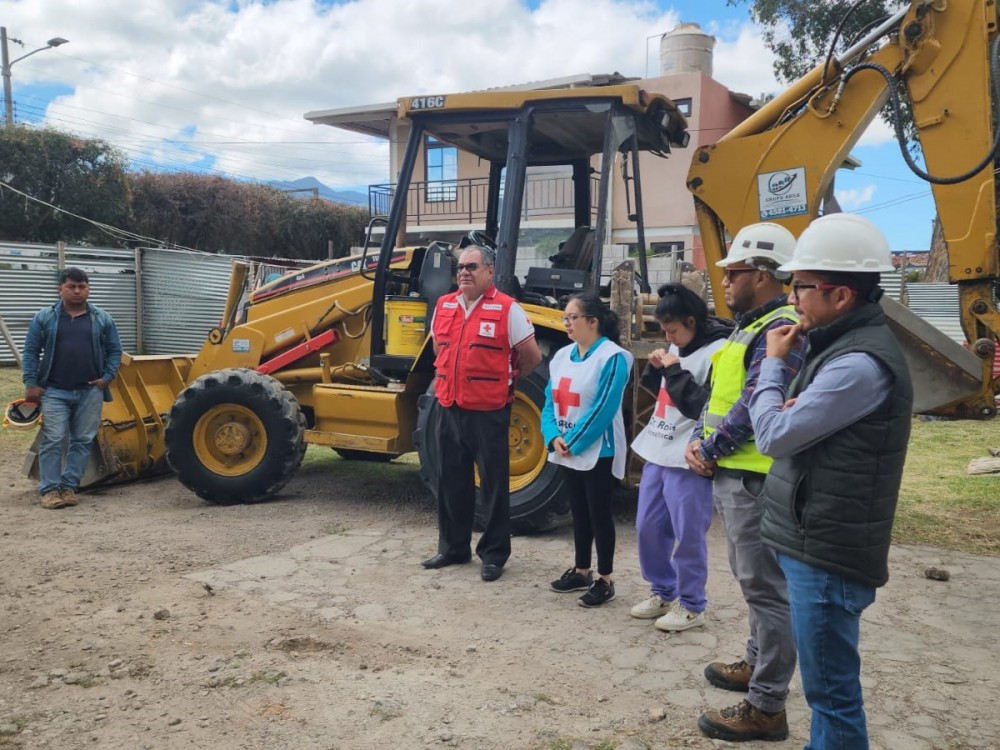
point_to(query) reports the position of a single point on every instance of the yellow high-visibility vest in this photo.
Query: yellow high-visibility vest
(729, 375)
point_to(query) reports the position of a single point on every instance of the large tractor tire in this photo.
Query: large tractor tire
(538, 495)
(235, 436)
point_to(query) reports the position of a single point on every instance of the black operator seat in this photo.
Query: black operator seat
(577, 252)
(436, 274)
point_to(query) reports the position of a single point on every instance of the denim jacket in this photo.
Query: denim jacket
(40, 342)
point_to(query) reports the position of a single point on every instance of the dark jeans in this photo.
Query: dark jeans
(467, 440)
(826, 622)
(70, 421)
(590, 500)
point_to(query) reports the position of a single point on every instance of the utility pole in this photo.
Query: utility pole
(8, 96)
(8, 105)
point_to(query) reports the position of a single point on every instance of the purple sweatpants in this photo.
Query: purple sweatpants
(675, 511)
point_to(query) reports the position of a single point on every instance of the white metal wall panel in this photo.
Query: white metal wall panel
(29, 279)
(183, 296)
(937, 303)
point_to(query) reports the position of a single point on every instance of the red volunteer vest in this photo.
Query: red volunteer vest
(475, 364)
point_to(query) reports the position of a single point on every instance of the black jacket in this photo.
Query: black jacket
(688, 395)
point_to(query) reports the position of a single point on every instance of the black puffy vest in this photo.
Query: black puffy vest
(832, 505)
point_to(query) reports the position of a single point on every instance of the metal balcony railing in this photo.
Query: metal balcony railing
(464, 201)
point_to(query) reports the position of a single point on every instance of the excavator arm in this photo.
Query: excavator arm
(779, 164)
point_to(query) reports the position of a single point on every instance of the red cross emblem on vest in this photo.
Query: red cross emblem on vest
(563, 397)
(663, 400)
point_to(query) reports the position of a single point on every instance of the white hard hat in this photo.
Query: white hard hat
(843, 243)
(21, 415)
(763, 246)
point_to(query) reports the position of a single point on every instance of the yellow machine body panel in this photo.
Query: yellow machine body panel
(794, 144)
(367, 418)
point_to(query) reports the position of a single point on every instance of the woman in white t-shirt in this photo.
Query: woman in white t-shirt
(583, 428)
(675, 504)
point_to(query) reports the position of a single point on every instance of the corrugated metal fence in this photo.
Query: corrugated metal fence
(179, 295)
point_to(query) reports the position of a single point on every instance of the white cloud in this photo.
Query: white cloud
(234, 78)
(852, 199)
(742, 62)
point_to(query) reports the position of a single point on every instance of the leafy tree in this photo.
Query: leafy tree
(86, 177)
(216, 214)
(800, 32)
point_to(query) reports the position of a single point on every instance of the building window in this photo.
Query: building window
(668, 248)
(442, 171)
(684, 106)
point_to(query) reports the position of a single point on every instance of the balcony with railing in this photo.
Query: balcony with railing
(464, 201)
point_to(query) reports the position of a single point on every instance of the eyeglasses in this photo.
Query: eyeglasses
(798, 288)
(573, 317)
(730, 272)
(470, 267)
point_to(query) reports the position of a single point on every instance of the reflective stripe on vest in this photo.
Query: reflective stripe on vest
(729, 375)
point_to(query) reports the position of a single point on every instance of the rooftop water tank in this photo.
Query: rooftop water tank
(686, 50)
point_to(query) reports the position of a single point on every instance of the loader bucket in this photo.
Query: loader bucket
(129, 444)
(946, 376)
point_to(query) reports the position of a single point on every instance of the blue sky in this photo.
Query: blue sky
(222, 86)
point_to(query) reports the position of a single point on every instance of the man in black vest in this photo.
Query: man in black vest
(838, 435)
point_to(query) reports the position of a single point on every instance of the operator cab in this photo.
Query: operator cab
(579, 133)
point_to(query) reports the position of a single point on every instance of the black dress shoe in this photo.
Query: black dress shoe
(443, 560)
(491, 572)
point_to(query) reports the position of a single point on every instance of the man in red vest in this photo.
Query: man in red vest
(483, 340)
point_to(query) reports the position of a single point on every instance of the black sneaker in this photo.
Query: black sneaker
(600, 592)
(572, 581)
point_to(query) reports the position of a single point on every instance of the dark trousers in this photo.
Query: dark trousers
(590, 501)
(468, 439)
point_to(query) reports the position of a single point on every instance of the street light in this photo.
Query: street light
(7, 63)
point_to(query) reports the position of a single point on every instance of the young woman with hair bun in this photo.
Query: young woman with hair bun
(675, 504)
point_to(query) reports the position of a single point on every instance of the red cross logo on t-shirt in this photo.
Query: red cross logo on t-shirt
(663, 400)
(564, 397)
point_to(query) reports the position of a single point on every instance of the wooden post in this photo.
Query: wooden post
(10, 341)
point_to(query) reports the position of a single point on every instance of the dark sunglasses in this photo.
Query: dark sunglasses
(470, 267)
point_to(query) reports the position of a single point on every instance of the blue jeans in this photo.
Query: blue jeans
(72, 416)
(826, 620)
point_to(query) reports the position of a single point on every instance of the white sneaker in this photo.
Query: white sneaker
(651, 608)
(679, 618)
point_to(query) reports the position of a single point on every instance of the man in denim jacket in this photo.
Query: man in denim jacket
(71, 355)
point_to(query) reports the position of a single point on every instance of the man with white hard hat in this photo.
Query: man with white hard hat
(723, 446)
(838, 436)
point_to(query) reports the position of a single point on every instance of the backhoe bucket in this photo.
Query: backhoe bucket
(129, 444)
(946, 375)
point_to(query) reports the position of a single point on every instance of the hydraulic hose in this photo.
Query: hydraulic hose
(897, 119)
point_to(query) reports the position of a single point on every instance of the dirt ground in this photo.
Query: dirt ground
(145, 618)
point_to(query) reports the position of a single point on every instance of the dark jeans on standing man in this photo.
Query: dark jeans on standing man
(468, 439)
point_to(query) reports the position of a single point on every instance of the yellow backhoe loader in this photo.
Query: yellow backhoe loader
(337, 355)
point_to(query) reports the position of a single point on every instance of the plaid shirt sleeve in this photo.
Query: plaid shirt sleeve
(736, 427)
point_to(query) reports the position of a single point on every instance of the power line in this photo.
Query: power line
(117, 233)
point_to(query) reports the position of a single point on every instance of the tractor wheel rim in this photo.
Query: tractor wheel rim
(525, 442)
(230, 439)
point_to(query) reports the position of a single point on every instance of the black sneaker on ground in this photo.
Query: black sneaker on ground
(600, 592)
(572, 581)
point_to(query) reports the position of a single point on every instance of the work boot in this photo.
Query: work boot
(68, 497)
(52, 500)
(744, 722)
(734, 676)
